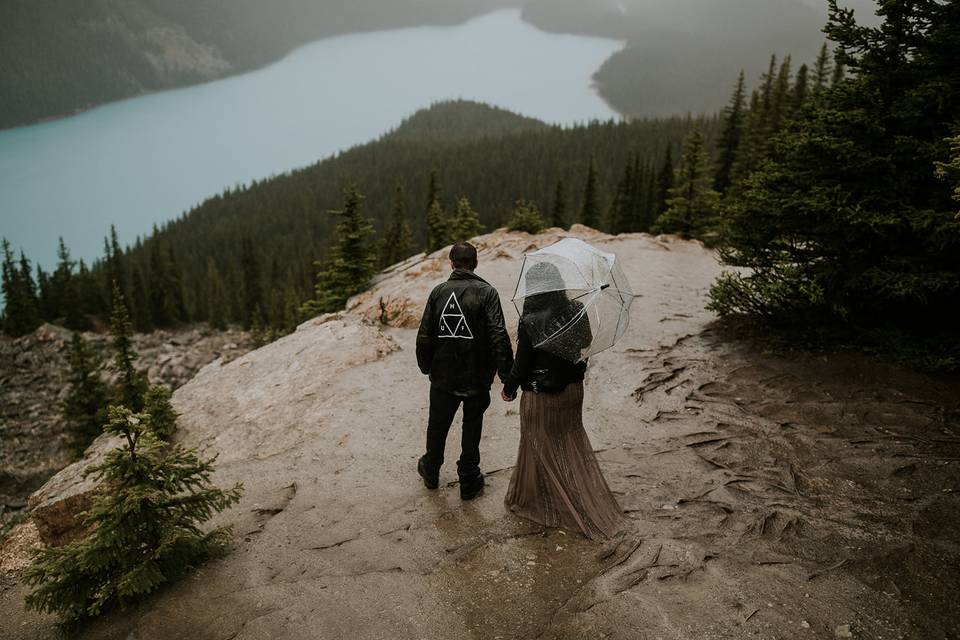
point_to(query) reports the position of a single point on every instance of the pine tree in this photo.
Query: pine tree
(162, 307)
(664, 184)
(558, 213)
(144, 527)
(22, 312)
(141, 302)
(437, 222)
(845, 224)
(801, 88)
(465, 223)
(216, 298)
(163, 418)
(175, 288)
(526, 217)
(131, 384)
(352, 261)
(252, 285)
(397, 243)
(621, 212)
(733, 118)
(821, 72)
(780, 99)
(693, 204)
(115, 263)
(590, 210)
(438, 227)
(64, 287)
(85, 406)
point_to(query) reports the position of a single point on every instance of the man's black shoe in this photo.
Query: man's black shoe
(472, 488)
(430, 482)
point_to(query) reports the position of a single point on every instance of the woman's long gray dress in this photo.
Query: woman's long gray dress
(557, 480)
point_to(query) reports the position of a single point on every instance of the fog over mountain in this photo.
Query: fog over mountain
(680, 55)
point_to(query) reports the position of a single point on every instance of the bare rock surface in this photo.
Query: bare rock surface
(771, 496)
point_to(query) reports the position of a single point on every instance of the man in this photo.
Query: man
(462, 342)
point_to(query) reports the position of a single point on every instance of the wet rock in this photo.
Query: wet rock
(57, 507)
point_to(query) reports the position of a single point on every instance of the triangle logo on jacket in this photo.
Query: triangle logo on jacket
(453, 324)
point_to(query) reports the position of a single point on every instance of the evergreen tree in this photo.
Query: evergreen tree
(526, 217)
(131, 384)
(590, 210)
(163, 418)
(23, 307)
(352, 261)
(465, 223)
(780, 100)
(733, 117)
(558, 213)
(144, 527)
(846, 222)
(438, 227)
(664, 183)
(162, 307)
(85, 406)
(621, 210)
(141, 302)
(397, 243)
(46, 305)
(692, 206)
(174, 287)
(801, 88)
(216, 298)
(821, 71)
(64, 289)
(252, 287)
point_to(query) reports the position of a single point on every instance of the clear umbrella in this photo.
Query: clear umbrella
(573, 299)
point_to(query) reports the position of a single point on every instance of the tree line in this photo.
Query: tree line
(254, 255)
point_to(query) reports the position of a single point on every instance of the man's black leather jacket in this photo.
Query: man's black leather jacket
(462, 340)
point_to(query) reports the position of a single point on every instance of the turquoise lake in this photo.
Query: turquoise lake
(147, 159)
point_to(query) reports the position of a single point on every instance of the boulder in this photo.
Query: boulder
(57, 506)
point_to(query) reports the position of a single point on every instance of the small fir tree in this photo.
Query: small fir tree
(352, 261)
(526, 217)
(692, 207)
(438, 227)
(163, 418)
(144, 525)
(85, 406)
(733, 117)
(465, 223)
(131, 384)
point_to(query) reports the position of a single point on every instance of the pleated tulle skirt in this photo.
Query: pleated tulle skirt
(557, 480)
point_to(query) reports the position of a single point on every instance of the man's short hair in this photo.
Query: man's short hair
(463, 255)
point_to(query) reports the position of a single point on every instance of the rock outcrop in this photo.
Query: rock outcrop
(782, 496)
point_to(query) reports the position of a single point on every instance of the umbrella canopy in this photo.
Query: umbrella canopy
(573, 299)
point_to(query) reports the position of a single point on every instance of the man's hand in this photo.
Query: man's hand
(505, 397)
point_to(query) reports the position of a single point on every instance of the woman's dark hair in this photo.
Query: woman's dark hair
(463, 255)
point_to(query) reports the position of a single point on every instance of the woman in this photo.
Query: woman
(556, 481)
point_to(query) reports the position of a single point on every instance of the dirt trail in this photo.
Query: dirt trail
(771, 496)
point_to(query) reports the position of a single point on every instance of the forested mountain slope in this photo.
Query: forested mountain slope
(60, 56)
(285, 222)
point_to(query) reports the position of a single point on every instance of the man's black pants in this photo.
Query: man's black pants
(443, 407)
